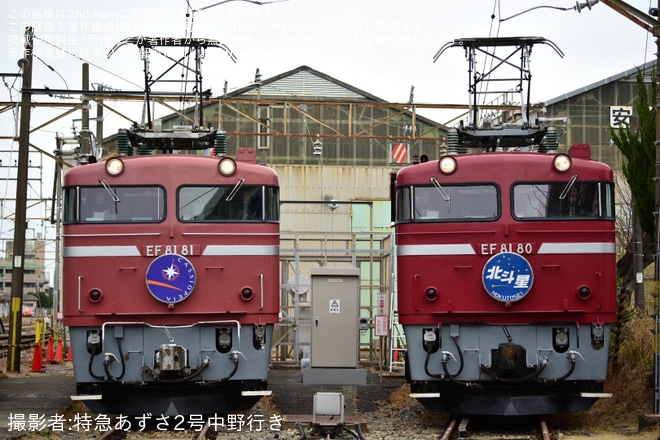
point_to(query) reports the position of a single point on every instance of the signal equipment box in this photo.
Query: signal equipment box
(335, 317)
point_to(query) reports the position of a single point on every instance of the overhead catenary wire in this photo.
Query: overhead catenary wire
(190, 20)
(78, 57)
(33, 191)
(52, 69)
(495, 27)
(185, 69)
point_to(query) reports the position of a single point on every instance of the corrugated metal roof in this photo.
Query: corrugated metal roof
(305, 84)
(625, 74)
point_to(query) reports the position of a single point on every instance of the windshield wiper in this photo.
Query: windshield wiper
(113, 194)
(567, 188)
(235, 189)
(441, 190)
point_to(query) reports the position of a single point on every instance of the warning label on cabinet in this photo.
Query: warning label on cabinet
(335, 306)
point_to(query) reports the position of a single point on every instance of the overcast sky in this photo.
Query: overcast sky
(380, 46)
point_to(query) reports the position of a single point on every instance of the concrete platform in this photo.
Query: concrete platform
(31, 400)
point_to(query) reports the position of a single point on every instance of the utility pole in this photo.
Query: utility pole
(99, 117)
(638, 260)
(85, 141)
(16, 309)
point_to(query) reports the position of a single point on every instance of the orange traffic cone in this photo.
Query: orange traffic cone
(69, 354)
(37, 363)
(59, 354)
(50, 355)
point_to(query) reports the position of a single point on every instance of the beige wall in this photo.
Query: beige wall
(318, 183)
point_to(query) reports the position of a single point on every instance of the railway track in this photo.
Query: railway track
(487, 429)
(207, 432)
(457, 429)
(27, 342)
(395, 417)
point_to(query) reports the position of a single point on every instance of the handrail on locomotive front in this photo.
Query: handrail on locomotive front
(132, 323)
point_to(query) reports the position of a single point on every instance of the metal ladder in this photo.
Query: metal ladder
(397, 343)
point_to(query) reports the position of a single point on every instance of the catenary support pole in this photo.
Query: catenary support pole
(18, 260)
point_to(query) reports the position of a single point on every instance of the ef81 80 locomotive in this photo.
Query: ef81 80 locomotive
(171, 282)
(506, 281)
(506, 272)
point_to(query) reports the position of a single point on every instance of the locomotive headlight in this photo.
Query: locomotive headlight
(227, 166)
(583, 292)
(560, 339)
(562, 163)
(431, 294)
(447, 165)
(114, 166)
(246, 294)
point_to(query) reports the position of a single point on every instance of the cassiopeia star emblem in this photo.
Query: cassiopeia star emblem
(171, 278)
(171, 273)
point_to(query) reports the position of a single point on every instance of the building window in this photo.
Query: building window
(263, 127)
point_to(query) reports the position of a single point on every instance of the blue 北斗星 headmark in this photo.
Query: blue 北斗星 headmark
(507, 277)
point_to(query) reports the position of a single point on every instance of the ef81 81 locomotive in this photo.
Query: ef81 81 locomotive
(506, 272)
(171, 282)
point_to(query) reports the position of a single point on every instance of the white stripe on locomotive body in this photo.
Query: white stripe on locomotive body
(101, 251)
(577, 248)
(434, 249)
(412, 250)
(133, 251)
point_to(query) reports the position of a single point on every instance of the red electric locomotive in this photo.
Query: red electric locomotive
(171, 280)
(506, 272)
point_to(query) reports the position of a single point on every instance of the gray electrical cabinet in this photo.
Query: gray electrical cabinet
(335, 317)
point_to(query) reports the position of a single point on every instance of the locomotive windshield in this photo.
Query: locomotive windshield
(448, 203)
(235, 203)
(530, 201)
(119, 204)
(553, 200)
